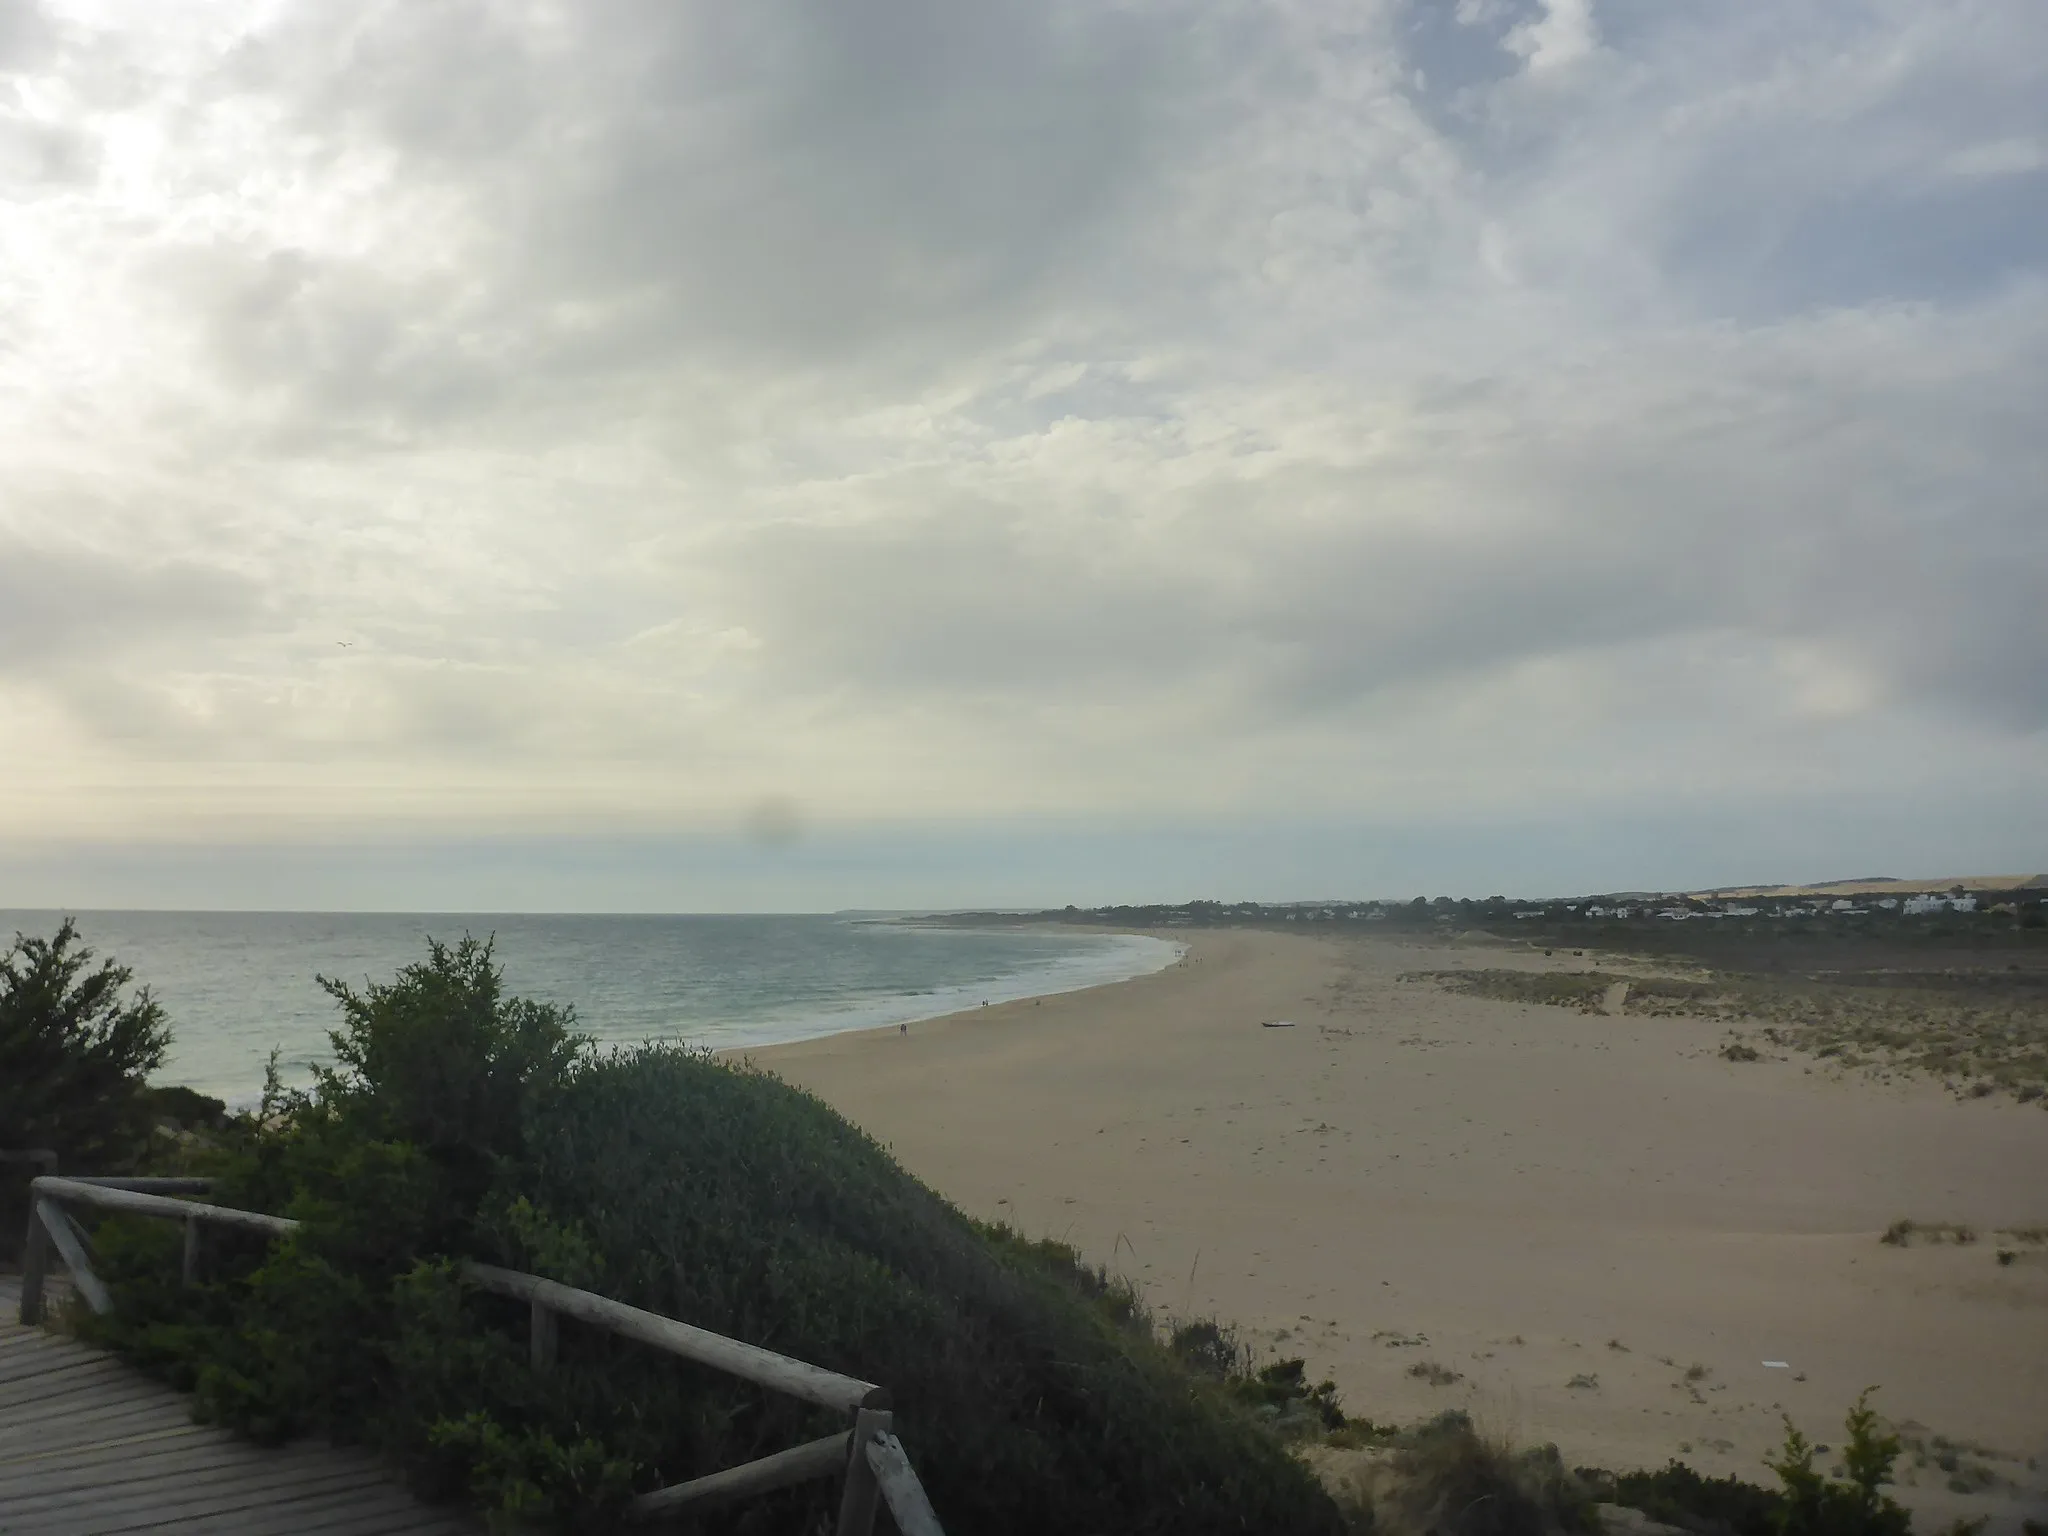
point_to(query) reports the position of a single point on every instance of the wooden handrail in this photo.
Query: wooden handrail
(785, 1469)
(49, 1224)
(749, 1362)
(136, 1202)
(870, 1458)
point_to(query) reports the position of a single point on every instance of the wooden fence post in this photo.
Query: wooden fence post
(901, 1490)
(70, 1241)
(35, 1263)
(189, 1274)
(543, 1332)
(862, 1492)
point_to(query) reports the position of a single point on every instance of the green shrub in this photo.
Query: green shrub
(74, 1052)
(73, 1055)
(1445, 1479)
(1677, 1495)
(1281, 1394)
(1814, 1505)
(1807, 1503)
(1030, 1390)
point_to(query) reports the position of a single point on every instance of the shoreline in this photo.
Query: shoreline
(982, 1011)
(238, 989)
(1570, 1212)
(890, 1027)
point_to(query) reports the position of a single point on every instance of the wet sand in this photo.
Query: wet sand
(1523, 1195)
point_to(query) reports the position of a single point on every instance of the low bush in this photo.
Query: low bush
(1806, 1503)
(1853, 1505)
(1443, 1478)
(75, 1049)
(1030, 1391)
(74, 1052)
(1677, 1495)
(183, 1108)
(1906, 1234)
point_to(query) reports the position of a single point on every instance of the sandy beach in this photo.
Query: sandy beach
(1600, 1226)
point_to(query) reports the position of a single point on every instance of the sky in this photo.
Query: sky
(672, 455)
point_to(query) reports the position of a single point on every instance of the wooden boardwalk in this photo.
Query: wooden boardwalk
(89, 1446)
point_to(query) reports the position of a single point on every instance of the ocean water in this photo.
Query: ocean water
(238, 984)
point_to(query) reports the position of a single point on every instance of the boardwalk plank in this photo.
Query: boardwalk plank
(411, 1523)
(334, 1510)
(166, 1492)
(112, 1447)
(41, 1391)
(90, 1446)
(111, 1442)
(26, 1365)
(66, 1395)
(66, 1424)
(110, 1470)
(143, 1506)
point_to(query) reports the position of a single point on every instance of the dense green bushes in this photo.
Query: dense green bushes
(1807, 1502)
(1677, 1495)
(458, 1122)
(1854, 1504)
(73, 1054)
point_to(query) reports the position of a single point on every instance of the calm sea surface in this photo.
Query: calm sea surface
(237, 984)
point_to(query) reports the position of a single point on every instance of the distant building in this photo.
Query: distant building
(1917, 905)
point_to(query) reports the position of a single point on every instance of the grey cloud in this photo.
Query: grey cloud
(778, 182)
(67, 607)
(1308, 620)
(36, 156)
(1895, 522)
(26, 34)
(1772, 159)
(39, 158)
(337, 351)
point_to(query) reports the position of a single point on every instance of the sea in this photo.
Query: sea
(238, 985)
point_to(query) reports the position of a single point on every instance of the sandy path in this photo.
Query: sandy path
(1513, 1186)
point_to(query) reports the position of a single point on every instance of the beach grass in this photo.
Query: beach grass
(1977, 1043)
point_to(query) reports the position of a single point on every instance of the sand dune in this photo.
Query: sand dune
(1884, 887)
(1523, 1195)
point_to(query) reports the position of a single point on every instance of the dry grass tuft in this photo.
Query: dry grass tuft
(1905, 1234)
(1436, 1375)
(1446, 1479)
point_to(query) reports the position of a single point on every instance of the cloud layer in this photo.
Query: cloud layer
(620, 416)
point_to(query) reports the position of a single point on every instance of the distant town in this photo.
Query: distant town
(2018, 900)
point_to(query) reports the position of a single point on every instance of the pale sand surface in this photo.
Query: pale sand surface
(1515, 1185)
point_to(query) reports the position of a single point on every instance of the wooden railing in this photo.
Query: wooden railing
(867, 1456)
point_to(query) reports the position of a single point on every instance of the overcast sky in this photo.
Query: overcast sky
(628, 453)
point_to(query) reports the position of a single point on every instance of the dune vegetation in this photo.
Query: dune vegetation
(1032, 1393)
(1979, 1035)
